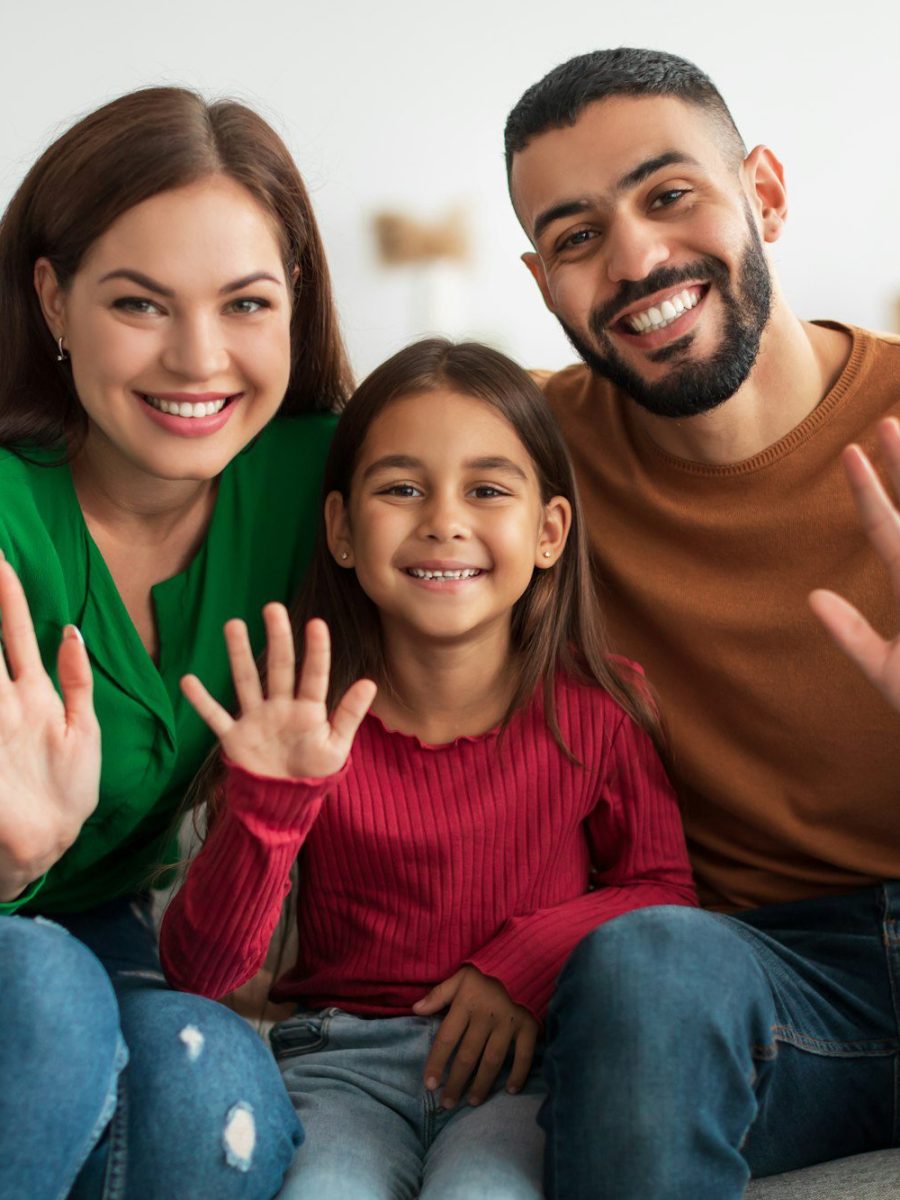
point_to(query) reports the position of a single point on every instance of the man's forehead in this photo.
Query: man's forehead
(610, 141)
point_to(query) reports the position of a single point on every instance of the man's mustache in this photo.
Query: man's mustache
(703, 270)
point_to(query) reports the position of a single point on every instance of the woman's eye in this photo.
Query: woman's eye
(136, 304)
(249, 305)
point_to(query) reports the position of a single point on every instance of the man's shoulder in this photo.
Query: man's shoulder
(574, 389)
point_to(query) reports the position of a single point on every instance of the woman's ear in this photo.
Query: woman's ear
(554, 531)
(337, 530)
(51, 296)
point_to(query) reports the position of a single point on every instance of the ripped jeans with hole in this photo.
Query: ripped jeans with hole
(115, 1086)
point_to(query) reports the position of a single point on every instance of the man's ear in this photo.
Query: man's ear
(763, 177)
(535, 265)
(337, 530)
(51, 296)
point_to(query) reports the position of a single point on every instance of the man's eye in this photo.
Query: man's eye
(136, 304)
(579, 238)
(666, 199)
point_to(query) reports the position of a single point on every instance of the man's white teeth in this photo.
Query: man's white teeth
(667, 312)
(182, 408)
(465, 573)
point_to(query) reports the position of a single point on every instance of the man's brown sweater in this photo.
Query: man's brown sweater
(786, 760)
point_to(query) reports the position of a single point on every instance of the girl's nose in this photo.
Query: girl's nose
(443, 520)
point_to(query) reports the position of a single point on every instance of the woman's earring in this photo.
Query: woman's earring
(62, 353)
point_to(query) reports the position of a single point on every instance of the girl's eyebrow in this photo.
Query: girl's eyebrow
(406, 462)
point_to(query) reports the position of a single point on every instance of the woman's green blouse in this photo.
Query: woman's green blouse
(256, 550)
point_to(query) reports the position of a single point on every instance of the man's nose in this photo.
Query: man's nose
(634, 248)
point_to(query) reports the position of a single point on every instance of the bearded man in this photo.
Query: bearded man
(689, 1049)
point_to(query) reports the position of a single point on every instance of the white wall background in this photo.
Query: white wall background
(401, 103)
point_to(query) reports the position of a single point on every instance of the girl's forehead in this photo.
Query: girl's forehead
(442, 424)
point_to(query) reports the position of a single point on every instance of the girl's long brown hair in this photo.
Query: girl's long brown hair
(556, 624)
(143, 143)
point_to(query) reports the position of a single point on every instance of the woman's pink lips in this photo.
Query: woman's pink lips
(190, 426)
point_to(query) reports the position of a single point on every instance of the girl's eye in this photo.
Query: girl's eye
(404, 490)
(672, 196)
(249, 305)
(136, 304)
(487, 491)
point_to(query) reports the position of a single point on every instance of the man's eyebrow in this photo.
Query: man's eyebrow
(151, 285)
(634, 177)
(645, 169)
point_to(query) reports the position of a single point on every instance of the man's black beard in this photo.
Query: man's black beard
(693, 387)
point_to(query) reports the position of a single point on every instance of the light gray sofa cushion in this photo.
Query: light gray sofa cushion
(864, 1177)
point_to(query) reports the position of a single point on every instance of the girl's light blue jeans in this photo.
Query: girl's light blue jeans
(374, 1132)
(114, 1086)
(688, 1050)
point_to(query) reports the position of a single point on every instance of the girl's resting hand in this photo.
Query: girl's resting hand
(481, 1025)
(878, 659)
(49, 747)
(287, 733)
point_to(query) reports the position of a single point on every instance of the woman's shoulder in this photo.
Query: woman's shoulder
(305, 436)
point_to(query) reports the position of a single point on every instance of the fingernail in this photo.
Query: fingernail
(72, 631)
(448, 1103)
(431, 1082)
(474, 1101)
(512, 1090)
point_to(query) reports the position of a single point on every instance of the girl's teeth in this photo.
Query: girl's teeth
(466, 573)
(658, 317)
(176, 408)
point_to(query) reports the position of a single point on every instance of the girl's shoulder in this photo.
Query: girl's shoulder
(589, 717)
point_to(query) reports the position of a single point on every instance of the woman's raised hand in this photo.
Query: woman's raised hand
(49, 747)
(877, 658)
(285, 732)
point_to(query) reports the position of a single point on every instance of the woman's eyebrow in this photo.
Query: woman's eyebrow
(151, 285)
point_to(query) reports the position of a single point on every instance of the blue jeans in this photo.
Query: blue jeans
(687, 1050)
(374, 1132)
(112, 1085)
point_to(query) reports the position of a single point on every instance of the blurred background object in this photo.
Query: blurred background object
(399, 107)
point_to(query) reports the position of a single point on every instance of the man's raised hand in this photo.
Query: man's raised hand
(877, 658)
(284, 732)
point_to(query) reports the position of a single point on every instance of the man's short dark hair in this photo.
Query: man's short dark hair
(559, 98)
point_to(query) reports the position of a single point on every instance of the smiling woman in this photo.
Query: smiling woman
(171, 364)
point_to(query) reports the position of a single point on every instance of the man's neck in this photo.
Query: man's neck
(797, 366)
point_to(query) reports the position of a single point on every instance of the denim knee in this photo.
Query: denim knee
(54, 989)
(208, 1112)
(666, 960)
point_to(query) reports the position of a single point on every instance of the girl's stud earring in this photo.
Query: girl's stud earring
(547, 554)
(344, 556)
(61, 352)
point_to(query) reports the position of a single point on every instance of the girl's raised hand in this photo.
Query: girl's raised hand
(877, 658)
(49, 747)
(284, 733)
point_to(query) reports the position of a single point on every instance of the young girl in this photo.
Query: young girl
(502, 799)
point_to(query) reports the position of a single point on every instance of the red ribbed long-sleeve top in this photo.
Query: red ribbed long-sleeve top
(495, 851)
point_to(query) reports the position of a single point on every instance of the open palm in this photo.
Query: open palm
(49, 746)
(284, 732)
(878, 658)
